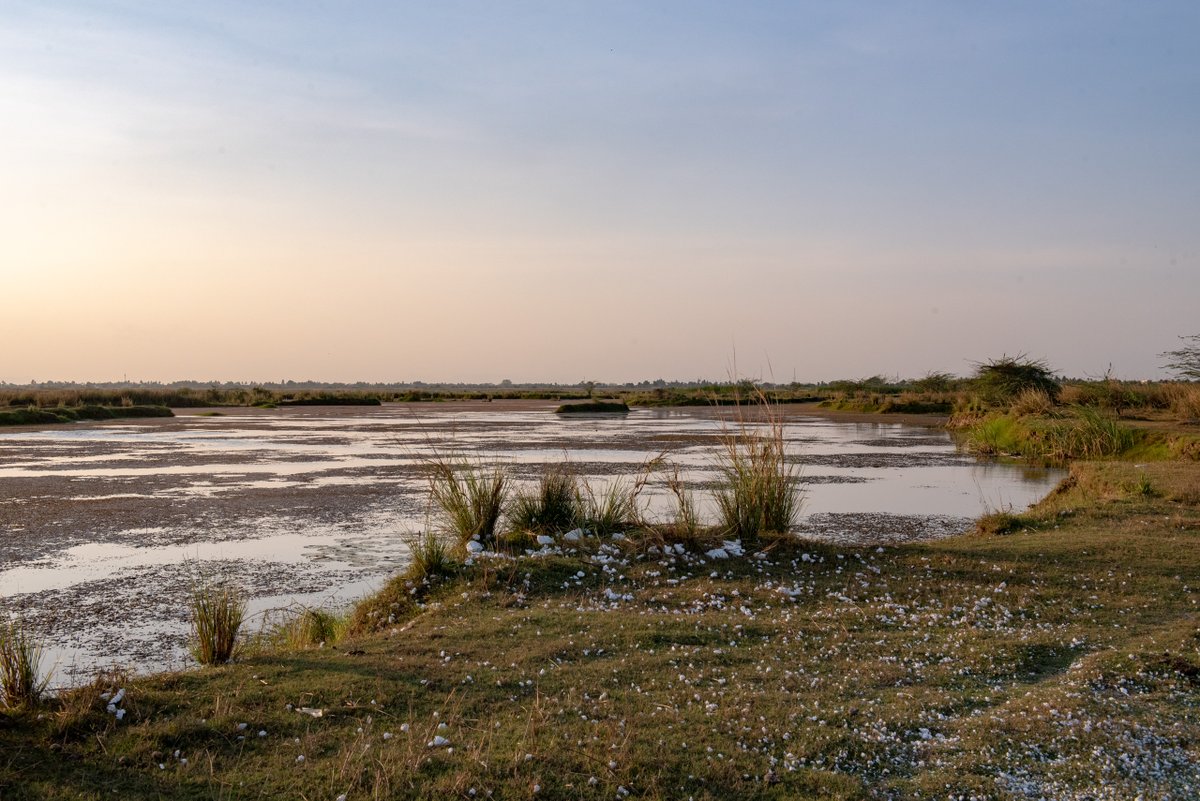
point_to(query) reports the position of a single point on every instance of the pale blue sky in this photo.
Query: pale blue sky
(619, 191)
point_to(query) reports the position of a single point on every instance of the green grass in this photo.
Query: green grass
(21, 679)
(614, 509)
(1079, 432)
(309, 627)
(217, 613)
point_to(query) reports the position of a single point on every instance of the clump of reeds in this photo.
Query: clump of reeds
(684, 524)
(431, 559)
(759, 492)
(218, 611)
(553, 507)
(469, 498)
(617, 508)
(1184, 400)
(20, 666)
(1090, 435)
(312, 627)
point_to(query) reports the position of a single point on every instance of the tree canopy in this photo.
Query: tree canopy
(1185, 361)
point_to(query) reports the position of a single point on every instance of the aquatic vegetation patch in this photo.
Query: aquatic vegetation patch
(34, 415)
(594, 407)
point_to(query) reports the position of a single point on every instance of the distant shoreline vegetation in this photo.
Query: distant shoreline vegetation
(34, 415)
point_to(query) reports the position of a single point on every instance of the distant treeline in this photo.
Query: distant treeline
(994, 384)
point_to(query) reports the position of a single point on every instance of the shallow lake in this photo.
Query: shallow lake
(105, 527)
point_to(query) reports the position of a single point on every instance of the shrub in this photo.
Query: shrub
(1000, 380)
(218, 611)
(20, 664)
(470, 499)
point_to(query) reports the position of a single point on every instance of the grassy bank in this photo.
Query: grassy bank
(1060, 660)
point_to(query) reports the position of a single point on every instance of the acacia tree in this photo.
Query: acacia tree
(1185, 362)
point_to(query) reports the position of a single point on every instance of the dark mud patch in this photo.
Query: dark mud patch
(860, 530)
(903, 442)
(806, 479)
(863, 461)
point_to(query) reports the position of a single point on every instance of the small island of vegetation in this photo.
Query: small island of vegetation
(594, 407)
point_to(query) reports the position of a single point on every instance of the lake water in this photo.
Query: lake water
(105, 527)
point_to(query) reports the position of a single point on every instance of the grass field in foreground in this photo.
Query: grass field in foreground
(1059, 660)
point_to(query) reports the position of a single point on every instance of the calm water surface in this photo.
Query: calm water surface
(103, 528)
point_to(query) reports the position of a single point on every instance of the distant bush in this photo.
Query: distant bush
(594, 407)
(1000, 380)
(70, 414)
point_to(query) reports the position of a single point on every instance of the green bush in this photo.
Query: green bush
(1000, 380)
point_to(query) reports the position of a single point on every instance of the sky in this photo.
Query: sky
(613, 191)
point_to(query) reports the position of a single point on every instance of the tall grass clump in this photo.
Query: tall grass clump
(1089, 435)
(684, 524)
(470, 499)
(431, 559)
(553, 507)
(616, 508)
(1032, 402)
(999, 435)
(1184, 401)
(1081, 433)
(312, 627)
(218, 611)
(759, 490)
(20, 665)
